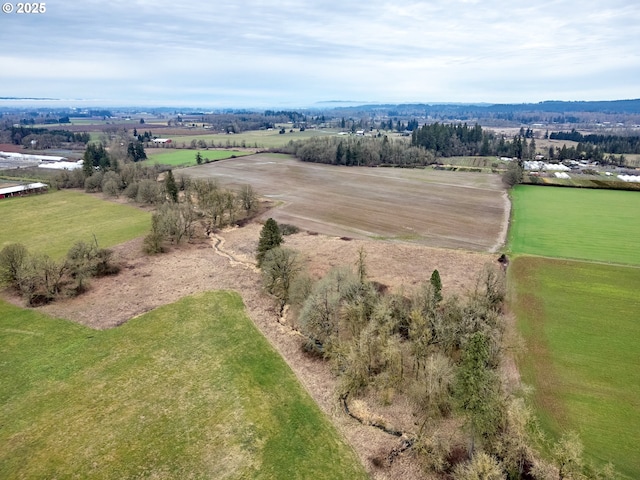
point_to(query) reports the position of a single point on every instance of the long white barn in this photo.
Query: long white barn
(38, 158)
(20, 190)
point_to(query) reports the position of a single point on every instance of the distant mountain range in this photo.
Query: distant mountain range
(550, 106)
(481, 109)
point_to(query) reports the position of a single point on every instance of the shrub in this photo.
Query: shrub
(40, 279)
(270, 237)
(110, 187)
(287, 229)
(94, 182)
(131, 191)
(88, 260)
(111, 183)
(148, 192)
(481, 466)
(69, 179)
(12, 257)
(154, 242)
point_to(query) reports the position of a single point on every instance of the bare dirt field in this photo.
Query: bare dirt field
(226, 261)
(423, 206)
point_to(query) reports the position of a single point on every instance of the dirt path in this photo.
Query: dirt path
(217, 242)
(504, 230)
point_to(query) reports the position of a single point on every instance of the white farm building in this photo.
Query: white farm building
(21, 190)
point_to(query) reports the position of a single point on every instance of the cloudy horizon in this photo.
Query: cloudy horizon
(285, 53)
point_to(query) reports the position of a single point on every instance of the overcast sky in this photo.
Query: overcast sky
(295, 53)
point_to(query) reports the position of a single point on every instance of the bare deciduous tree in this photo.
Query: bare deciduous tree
(279, 268)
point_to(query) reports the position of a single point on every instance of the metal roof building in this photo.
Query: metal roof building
(20, 190)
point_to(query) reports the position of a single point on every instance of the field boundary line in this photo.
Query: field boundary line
(506, 223)
(577, 260)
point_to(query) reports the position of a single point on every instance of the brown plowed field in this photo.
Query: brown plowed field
(422, 206)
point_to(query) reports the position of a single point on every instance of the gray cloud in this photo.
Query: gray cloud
(286, 52)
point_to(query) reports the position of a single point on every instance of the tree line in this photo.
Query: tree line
(460, 139)
(45, 138)
(614, 144)
(359, 151)
(427, 144)
(431, 142)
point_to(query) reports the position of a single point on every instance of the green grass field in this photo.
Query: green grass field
(190, 390)
(597, 225)
(187, 158)
(581, 326)
(53, 222)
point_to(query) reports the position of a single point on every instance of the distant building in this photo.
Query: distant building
(541, 166)
(161, 140)
(39, 158)
(22, 190)
(62, 165)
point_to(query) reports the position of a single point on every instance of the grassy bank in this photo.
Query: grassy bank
(190, 390)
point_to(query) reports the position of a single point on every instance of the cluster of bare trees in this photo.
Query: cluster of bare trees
(438, 354)
(185, 204)
(40, 279)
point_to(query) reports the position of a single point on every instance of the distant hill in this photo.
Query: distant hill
(550, 106)
(604, 106)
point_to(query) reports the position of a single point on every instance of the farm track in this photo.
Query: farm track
(502, 238)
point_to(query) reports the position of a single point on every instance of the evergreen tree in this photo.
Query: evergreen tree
(437, 285)
(140, 153)
(532, 149)
(171, 186)
(477, 389)
(95, 156)
(198, 158)
(135, 151)
(270, 237)
(339, 153)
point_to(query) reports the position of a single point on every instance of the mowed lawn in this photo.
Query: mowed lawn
(187, 158)
(190, 390)
(53, 222)
(597, 225)
(581, 323)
